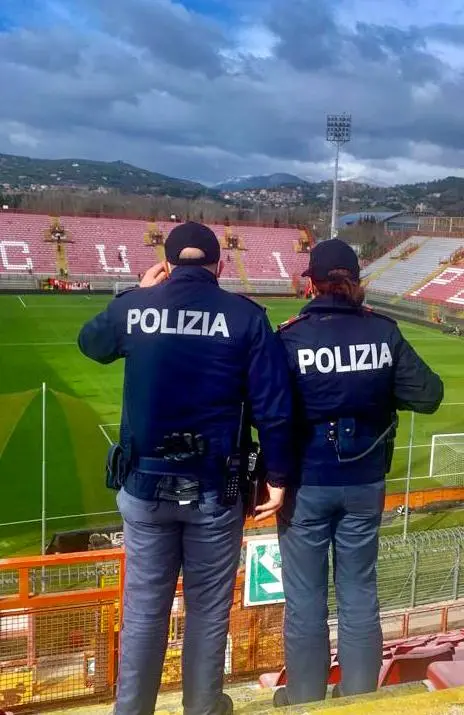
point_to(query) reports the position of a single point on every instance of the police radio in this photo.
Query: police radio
(234, 468)
(232, 485)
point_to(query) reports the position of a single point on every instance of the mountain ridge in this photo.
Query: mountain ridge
(22, 175)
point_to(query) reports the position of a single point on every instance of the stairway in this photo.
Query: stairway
(242, 271)
(61, 259)
(373, 276)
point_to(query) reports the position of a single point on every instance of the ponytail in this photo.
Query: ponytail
(340, 282)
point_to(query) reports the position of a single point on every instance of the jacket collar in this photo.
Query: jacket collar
(192, 273)
(329, 304)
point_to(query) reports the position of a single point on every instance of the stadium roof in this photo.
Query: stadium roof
(380, 217)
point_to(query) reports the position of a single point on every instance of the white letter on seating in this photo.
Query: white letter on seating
(283, 272)
(125, 268)
(24, 250)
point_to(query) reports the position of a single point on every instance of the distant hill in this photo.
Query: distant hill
(21, 175)
(21, 172)
(271, 181)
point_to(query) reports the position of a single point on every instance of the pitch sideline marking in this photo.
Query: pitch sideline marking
(105, 434)
(21, 301)
(32, 345)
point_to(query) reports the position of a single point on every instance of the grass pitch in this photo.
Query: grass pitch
(38, 344)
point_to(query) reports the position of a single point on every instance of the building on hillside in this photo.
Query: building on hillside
(366, 227)
(364, 216)
(403, 222)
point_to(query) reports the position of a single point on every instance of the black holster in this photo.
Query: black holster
(117, 467)
(178, 489)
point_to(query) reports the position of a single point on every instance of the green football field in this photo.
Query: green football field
(38, 345)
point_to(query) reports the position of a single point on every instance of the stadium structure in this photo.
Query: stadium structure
(60, 611)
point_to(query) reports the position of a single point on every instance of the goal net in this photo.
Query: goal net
(123, 285)
(447, 457)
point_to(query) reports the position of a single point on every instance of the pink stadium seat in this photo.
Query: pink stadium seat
(447, 287)
(458, 653)
(404, 659)
(272, 680)
(115, 247)
(411, 645)
(412, 666)
(446, 675)
(454, 638)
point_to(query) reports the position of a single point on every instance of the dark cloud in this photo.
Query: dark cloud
(451, 34)
(50, 50)
(174, 91)
(168, 31)
(308, 36)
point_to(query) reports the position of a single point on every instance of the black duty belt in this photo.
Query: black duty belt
(342, 434)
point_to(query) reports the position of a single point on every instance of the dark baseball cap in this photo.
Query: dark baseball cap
(192, 235)
(332, 255)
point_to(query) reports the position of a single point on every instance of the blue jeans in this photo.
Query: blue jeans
(161, 538)
(349, 519)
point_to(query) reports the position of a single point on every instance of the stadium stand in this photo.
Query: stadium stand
(404, 661)
(399, 273)
(446, 287)
(118, 248)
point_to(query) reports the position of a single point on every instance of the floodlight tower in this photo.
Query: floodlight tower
(338, 133)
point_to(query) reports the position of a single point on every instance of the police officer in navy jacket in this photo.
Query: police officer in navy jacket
(195, 355)
(351, 370)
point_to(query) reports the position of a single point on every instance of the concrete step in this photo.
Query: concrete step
(398, 700)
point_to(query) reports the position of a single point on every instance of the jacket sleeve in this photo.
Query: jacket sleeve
(270, 398)
(416, 386)
(99, 339)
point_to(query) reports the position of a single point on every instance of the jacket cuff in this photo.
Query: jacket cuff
(274, 479)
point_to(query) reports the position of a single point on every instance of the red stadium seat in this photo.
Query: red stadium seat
(412, 666)
(272, 680)
(411, 645)
(115, 247)
(447, 287)
(446, 675)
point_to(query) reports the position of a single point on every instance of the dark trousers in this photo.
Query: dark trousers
(349, 519)
(160, 539)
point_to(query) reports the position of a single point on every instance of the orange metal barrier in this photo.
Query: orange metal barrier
(60, 619)
(59, 623)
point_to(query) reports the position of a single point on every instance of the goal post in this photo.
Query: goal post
(119, 286)
(447, 456)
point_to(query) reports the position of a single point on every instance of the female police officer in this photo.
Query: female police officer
(352, 369)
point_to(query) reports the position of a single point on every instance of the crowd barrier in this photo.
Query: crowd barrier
(60, 644)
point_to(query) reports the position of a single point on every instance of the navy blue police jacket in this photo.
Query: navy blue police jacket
(194, 353)
(351, 370)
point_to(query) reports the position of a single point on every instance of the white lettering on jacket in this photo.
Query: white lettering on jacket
(351, 358)
(180, 322)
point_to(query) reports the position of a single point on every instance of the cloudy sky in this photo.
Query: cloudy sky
(209, 89)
